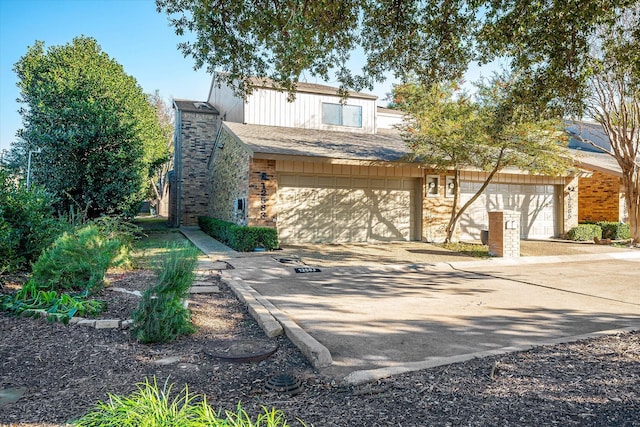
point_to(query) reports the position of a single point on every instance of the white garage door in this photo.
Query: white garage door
(329, 209)
(536, 204)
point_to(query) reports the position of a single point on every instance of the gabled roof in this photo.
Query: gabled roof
(384, 146)
(202, 107)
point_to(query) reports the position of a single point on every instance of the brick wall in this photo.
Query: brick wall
(197, 133)
(599, 198)
(228, 175)
(263, 190)
(504, 233)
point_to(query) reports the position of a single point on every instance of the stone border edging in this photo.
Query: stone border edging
(273, 321)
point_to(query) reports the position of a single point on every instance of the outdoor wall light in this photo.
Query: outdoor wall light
(571, 188)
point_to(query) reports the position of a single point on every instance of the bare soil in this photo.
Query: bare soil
(66, 370)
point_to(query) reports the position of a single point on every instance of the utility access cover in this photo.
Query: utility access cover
(307, 270)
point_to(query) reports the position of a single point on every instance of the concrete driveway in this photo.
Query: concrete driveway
(377, 321)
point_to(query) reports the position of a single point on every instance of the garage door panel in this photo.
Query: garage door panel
(536, 204)
(345, 209)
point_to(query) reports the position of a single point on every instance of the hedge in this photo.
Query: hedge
(585, 232)
(615, 230)
(238, 237)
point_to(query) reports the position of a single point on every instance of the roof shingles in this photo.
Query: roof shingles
(387, 146)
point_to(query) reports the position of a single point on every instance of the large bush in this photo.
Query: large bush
(240, 238)
(77, 261)
(28, 223)
(162, 315)
(98, 133)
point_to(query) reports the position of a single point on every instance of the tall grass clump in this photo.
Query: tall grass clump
(162, 315)
(154, 407)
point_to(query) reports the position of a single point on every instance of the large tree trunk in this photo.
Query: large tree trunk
(456, 215)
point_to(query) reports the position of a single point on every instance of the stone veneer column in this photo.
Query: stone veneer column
(504, 233)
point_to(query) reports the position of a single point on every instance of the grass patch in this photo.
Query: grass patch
(469, 249)
(149, 251)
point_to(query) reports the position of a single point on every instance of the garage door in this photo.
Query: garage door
(329, 209)
(536, 204)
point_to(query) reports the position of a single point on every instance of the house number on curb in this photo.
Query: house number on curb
(263, 202)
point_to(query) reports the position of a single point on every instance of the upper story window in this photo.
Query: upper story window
(342, 115)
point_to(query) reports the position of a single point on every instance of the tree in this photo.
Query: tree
(447, 130)
(158, 183)
(613, 101)
(98, 134)
(435, 40)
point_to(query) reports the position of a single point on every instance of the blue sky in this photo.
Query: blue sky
(129, 31)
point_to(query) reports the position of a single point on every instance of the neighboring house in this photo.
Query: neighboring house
(327, 169)
(601, 193)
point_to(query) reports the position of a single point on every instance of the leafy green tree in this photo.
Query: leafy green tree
(28, 223)
(98, 134)
(448, 131)
(614, 101)
(434, 40)
(158, 182)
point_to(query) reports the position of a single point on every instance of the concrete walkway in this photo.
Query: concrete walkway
(360, 323)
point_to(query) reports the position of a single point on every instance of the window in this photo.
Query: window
(342, 115)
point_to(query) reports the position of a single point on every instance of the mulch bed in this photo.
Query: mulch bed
(68, 369)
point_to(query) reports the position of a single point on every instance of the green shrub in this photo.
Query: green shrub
(28, 223)
(161, 315)
(615, 230)
(585, 232)
(77, 261)
(238, 237)
(153, 407)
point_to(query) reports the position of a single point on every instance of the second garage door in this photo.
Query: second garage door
(536, 204)
(333, 209)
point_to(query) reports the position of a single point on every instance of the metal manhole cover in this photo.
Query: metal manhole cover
(241, 350)
(284, 383)
(307, 270)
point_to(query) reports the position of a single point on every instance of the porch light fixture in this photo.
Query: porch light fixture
(571, 188)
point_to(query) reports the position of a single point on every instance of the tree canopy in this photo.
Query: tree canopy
(97, 132)
(435, 40)
(448, 131)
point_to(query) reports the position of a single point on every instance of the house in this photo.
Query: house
(601, 193)
(327, 169)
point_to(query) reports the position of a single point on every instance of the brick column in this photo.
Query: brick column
(504, 233)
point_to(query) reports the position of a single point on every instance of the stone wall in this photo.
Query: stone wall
(263, 191)
(228, 175)
(197, 135)
(599, 198)
(570, 207)
(436, 211)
